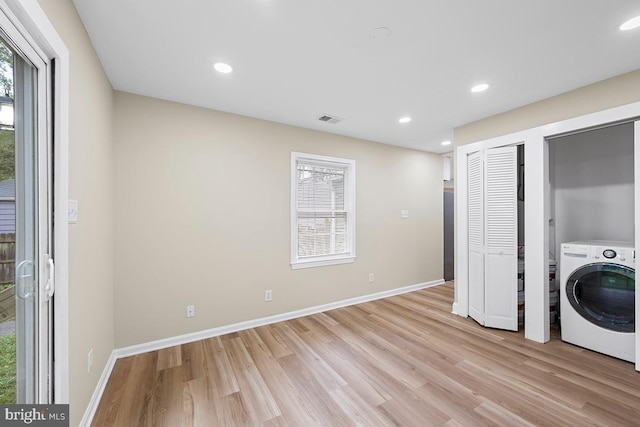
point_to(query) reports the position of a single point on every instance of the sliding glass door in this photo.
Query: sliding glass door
(25, 226)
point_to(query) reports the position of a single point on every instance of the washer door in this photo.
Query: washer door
(604, 294)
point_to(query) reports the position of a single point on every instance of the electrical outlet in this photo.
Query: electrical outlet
(268, 295)
(90, 361)
(191, 310)
(370, 277)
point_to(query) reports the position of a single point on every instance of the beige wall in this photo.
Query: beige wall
(202, 217)
(91, 156)
(614, 92)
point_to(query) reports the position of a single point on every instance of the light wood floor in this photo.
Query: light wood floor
(401, 361)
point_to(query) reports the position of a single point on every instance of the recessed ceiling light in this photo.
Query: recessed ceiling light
(404, 120)
(480, 88)
(223, 68)
(445, 142)
(630, 24)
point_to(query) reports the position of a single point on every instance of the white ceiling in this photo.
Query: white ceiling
(295, 60)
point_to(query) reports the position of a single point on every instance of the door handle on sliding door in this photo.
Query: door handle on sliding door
(50, 288)
(21, 279)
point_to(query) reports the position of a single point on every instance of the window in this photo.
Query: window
(322, 210)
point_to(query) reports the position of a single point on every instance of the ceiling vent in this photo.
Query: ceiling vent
(330, 119)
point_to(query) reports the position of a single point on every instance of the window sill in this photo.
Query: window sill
(296, 265)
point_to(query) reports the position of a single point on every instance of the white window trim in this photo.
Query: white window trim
(350, 207)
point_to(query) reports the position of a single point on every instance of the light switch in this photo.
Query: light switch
(404, 213)
(72, 211)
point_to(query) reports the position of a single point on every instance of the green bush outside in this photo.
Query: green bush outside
(8, 369)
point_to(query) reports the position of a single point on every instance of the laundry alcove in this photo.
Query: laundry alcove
(591, 178)
(537, 213)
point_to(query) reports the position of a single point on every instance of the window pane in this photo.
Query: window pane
(321, 234)
(320, 188)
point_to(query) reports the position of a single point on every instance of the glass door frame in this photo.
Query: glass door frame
(34, 338)
(24, 20)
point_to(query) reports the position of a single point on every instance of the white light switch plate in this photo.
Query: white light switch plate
(404, 214)
(72, 211)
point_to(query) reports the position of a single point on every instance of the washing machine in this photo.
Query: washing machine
(597, 296)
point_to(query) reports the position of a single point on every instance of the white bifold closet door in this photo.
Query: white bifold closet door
(475, 209)
(493, 237)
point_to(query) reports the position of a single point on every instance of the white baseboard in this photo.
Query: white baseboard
(454, 309)
(227, 329)
(459, 310)
(241, 326)
(97, 393)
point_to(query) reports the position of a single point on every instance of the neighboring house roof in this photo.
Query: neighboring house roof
(8, 189)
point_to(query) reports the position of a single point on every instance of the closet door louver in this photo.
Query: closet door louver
(501, 237)
(475, 180)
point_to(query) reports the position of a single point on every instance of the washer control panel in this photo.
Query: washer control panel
(615, 255)
(601, 251)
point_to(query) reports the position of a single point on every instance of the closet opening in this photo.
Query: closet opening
(520, 208)
(592, 206)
